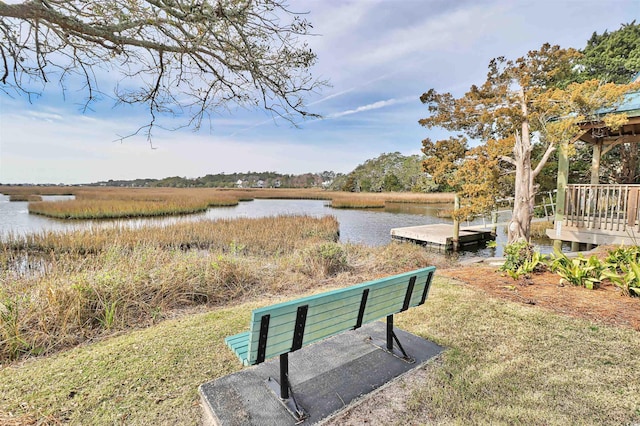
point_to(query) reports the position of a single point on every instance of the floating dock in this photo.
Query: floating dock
(441, 235)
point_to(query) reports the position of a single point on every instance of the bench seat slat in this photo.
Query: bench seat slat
(329, 313)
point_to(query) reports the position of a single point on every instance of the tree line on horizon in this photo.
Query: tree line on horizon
(389, 172)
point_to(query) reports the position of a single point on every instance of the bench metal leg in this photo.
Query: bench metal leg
(284, 376)
(388, 345)
(284, 392)
(390, 333)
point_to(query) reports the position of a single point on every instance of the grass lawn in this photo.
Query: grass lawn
(505, 363)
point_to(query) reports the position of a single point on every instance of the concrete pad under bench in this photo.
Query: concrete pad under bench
(325, 377)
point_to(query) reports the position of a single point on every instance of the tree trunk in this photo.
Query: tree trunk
(520, 224)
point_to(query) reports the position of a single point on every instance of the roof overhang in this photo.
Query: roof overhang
(597, 132)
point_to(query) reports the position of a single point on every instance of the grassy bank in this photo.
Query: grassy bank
(25, 197)
(357, 203)
(505, 363)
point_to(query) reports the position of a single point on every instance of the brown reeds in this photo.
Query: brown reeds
(25, 197)
(262, 236)
(368, 200)
(110, 203)
(539, 228)
(26, 190)
(113, 203)
(357, 203)
(58, 289)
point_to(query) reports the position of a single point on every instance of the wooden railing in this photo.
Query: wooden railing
(603, 207)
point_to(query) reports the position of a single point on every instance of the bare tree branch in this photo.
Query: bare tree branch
(543, 161)
(181, 57)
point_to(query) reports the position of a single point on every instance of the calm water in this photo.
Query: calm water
(370, 227)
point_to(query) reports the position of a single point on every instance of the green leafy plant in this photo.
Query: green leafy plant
(623, 269)
(521, 259)
(623, 255)
(109, 315)
(628, 279)
(579, 271)
(527, 266)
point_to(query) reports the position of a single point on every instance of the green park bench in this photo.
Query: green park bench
(286, 327)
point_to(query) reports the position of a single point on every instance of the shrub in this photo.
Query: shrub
(325, 258)
(624, 269)
(578, 271)
(521, 259)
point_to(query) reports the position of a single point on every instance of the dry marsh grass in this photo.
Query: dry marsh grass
(359, 203)
(112, 203)
(25, 197)
(538, 228)
(366, 200)
(25, 191)
(109, 203)
(61, 289)
(106, 209)
(266, 236)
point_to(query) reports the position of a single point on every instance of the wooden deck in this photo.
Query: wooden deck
(441, 235)
(599, 215)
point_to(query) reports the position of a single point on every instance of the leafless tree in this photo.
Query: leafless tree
(189, 58)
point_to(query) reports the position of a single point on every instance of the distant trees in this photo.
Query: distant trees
(387, 172)
(230, 180)
(178, 57)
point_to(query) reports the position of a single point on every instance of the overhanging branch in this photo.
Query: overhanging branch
(200, 56)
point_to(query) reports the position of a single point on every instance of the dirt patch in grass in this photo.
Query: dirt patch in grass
(605, 305)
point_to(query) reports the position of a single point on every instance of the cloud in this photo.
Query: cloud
(372, 106)
(456, 30)
(44, 116)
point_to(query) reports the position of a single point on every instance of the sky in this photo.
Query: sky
(379, 56)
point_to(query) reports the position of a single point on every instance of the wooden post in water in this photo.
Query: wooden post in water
(456, 223)
(494, 223)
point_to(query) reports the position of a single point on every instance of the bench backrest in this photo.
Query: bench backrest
(286, 327)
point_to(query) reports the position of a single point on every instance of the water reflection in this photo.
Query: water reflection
(369, 226)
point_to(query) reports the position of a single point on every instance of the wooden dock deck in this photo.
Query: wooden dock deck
(441, 235)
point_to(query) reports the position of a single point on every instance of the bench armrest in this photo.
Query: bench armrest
(239, 344)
